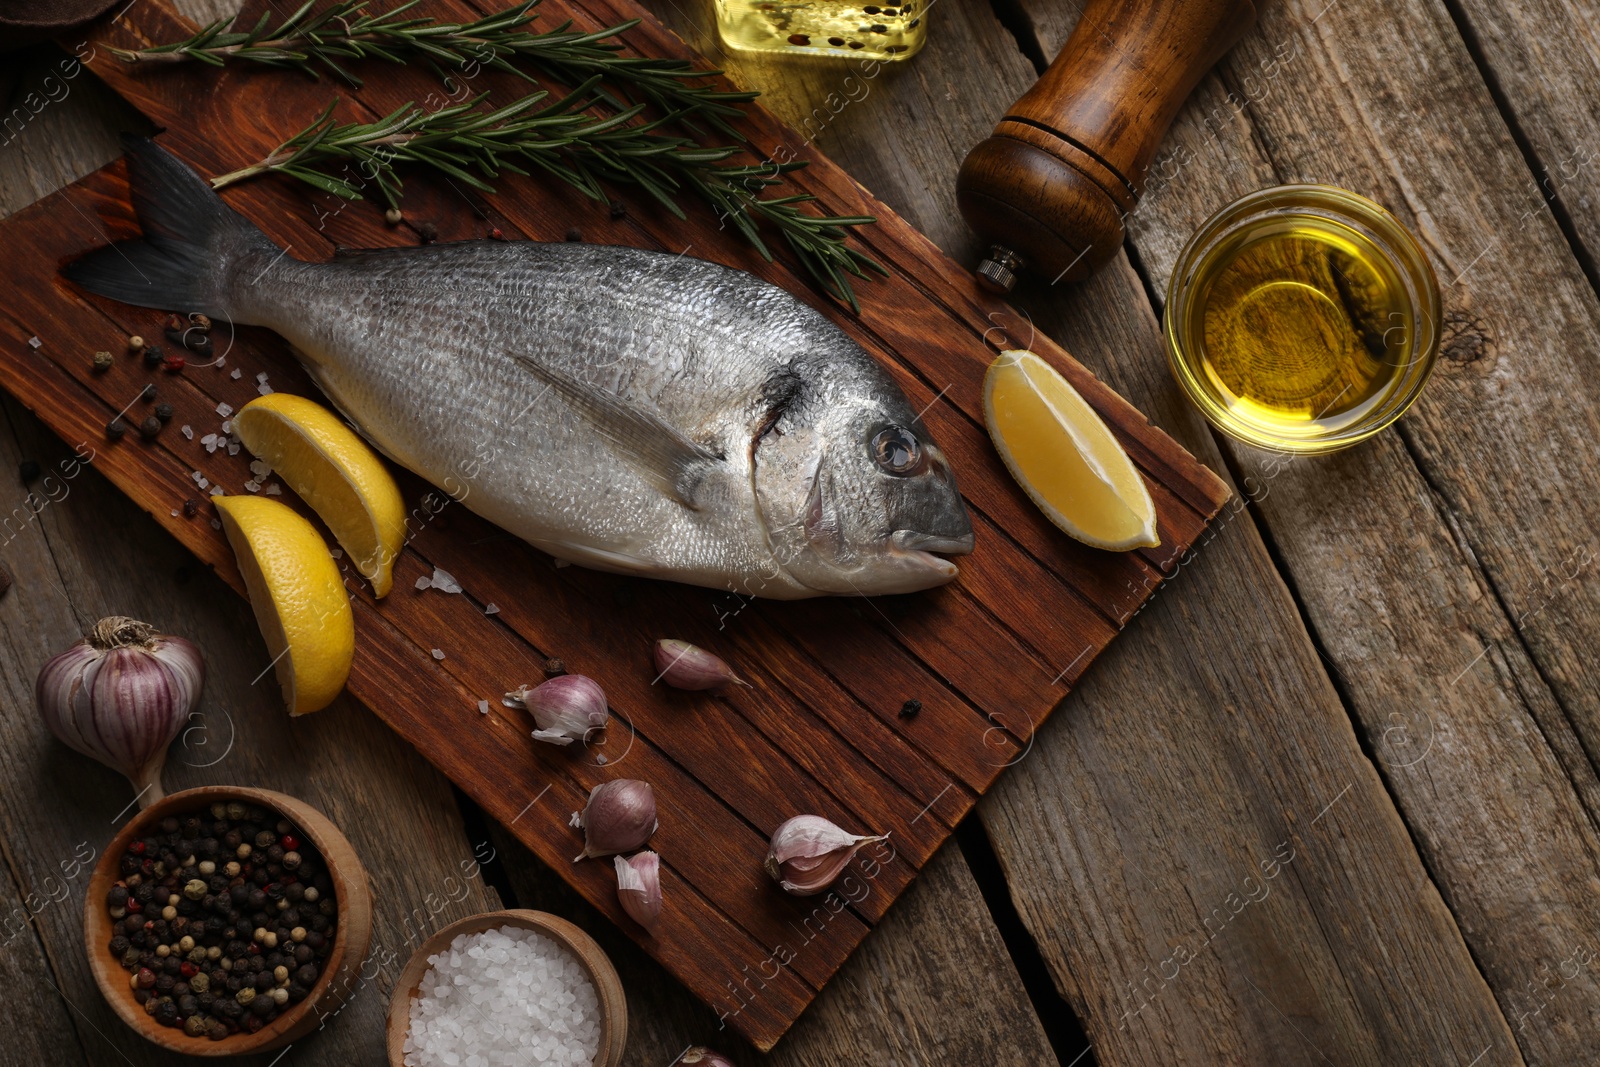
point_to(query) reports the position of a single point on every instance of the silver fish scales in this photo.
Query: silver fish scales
(626, 410)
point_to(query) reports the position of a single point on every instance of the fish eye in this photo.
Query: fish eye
(897, 450)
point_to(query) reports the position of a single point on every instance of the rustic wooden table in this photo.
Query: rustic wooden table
(1332, 798)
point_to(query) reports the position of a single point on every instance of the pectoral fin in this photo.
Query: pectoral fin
(660, 452)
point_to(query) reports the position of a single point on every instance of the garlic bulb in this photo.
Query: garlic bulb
(121, 695)
(808, 853)
(704, 1057)
(619, 817)
(639, 887)
(685, 666)
(565, 709)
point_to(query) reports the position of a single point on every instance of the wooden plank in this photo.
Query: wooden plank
(1465, 658)
(39, 616)
(1212, 867)
(1178, 767)
(161, 483)
(343, 761)
(919, 991)
(944, 895)
(1029, 662)
(89, 553)
(725, 951)
(1544, 59)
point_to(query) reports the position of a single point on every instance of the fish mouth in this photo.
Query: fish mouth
(921, 548)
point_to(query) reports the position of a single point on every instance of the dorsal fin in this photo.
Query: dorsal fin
(340, 252)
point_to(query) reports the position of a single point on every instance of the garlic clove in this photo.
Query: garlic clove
(701, 1056)
(808, 853)
(567, 708)
(685, 666)
(619, 817)
(121, 695)
(639, 888)
(554, 737)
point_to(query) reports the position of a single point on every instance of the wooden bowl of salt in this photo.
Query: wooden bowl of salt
(594, 964)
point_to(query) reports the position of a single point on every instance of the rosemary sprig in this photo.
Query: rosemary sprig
(475, 146)
(308, 41)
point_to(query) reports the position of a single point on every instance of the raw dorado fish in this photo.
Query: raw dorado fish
(625, 410)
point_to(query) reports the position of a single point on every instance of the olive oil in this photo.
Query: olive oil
(1301, 329)
(1303, 323)
(824, 27)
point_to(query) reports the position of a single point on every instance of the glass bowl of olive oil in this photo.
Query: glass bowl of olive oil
(1302, 318)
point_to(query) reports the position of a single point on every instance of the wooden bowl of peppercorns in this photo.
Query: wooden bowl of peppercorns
(247, 941)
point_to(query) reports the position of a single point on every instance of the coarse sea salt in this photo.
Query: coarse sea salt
(506, 997)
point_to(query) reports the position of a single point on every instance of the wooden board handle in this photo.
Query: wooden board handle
(1051, 186)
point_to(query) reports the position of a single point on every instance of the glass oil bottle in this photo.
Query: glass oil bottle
(824, 27)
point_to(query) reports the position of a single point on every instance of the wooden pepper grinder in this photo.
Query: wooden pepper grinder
(1050, 187)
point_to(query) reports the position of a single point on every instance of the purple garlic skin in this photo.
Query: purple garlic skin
(685, 666)
(639, 888)
(121, 695)
(567, 708)
(619, 817)
(700, 1056)
(808, 853)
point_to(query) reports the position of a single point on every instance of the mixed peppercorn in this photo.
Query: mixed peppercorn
(224, 919)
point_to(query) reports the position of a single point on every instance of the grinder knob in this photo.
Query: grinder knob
(1051, 186)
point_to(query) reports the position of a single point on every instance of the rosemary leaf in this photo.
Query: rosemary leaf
(314, 42)
(474, 146)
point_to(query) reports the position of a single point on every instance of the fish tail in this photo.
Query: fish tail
(193, 248)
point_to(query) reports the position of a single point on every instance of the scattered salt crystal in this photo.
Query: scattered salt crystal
(227, 424)
(263, 388)
(233, 448)
(209, 439)
(336, 553)
(443, 581)
(424, 582)
(491, 609)
(220, 360)
(174, 512)
(216, 524)
(216, 490)
(538, 994)
(483, 705)
(274, 489)
(438, 653)
(235, 375)
(202, 482)
(252, 487)
(34, 342)
(187, 431)
(224, 410)
(197, 476)
(260, 468)
(262, 377)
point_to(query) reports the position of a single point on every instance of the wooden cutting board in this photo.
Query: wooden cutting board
(821, 730)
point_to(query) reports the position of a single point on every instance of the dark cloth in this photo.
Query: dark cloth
(25, 22)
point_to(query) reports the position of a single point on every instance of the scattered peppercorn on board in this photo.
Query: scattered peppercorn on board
(890, 715)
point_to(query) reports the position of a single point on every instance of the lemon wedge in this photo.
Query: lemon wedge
(335, 472)
(298, 597)
(1064, 457)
